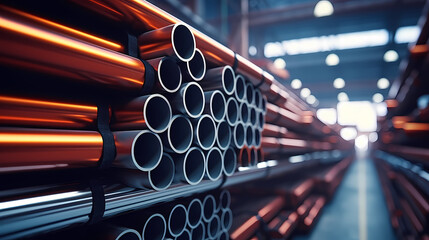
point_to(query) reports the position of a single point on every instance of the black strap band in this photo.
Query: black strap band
(261, 82)
(109, 148)
(98, 202)
(235, 65)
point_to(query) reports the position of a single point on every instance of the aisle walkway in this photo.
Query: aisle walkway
(357, 211)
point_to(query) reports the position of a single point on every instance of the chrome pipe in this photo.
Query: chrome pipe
(199, 232)
(179, 135)
(189, 100)
(250, 94)
(215, 105)
(232, 112)
(209, 207)
(249, 135)
(213, 227)
(186, 235)
(238, 135)
(195, 69)
(257, 136)
(229, 161)
(195, 213)
(177, 220)
(226, 219)
(214, 164)
(174, 40)
(240, 88)
(155, 228)
(244, 112)
(223, 133)
(169, 75)
(110, 232)
(151, 112)
(253, 117)
(243, 157)
(190, 167)
(220, 78)
(205, 132)
(141, 150)
(225, 199)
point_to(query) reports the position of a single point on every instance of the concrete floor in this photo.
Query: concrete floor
(357, 210)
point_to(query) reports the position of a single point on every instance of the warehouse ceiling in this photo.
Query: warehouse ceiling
(356, 38)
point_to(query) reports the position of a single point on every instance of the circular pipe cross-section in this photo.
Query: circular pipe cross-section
(226, 219)
(199, 232)
(249, 135)
(179, 135)
(232, 112)
(223, 132)
(205, 132)
(169, 75)
(214, 164)
(177, 220)
(229, 161)
(240, 88)
(209, 207)
(220, 78)
(238, 135)
(213, 227)
(195, 212)
(154, 228)
(190, 167)
(215, 105)
(196, 67)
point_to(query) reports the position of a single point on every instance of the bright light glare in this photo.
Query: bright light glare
(359, 114)
(34, 200)
(342, 97)
(323, 8)
(390, 56)
(381, 109)
(383, 83)
(341, 41)
(339, 83)
(305, 92)
(407, 34)
(311, 99)
(361, 143)
(377, 98)
(373, 137)
(296, 159)
(332, 59)
(327, 115)
(296, 84)
(348, 133)
(253, 50)
(279, 63)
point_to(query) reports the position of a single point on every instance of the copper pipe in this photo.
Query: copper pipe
(223, 135)
(186, 235)
(257, 137)
(195, 68)
(229, 161)
(27, 45)
(283, 225)
(190, 167)
(270, 144)
(244, 157)
(260, 154)
(282, 117)
(24, 149)
(240, 88)
(26, 112)
(195, 213)
(214, 164)
(151, 112)
(215, 105)
(169, 75)
(48, 25)
(232, 112)
(253, 156)
(222, 78)
(189, 100)
(238, 135)
(258, 99)
(204, 132)
(174, 40)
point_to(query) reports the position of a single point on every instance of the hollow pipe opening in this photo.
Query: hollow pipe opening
(199, 232)
(193, 100)
(244, 112)
(162, 176)
(229, 161)
(228, 80)
(194, 166)
(244, 157)
(186, 235)
(195, 212)
(253, 116)
(225, 199)
(250, 93)
(177, 220)
(238, 135)
(154, 228)
(249, 135)
(180, 134)
(217, 106)
(129, 234)
(169, 75)
(258, 98)
(146, 150)
(209, 207)
(213, 227)
(257, 137)
(157, 113)
(197, 66)
(224, 236)
(183, 42)
(206, 132)
(261, 120)
(232, 111)
(240, 88)
(214, 164)
(226, 219)
(223, 135)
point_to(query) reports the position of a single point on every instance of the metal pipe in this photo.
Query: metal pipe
(177, 220)
(229, 161)
(155, 228)
(190, 166)
(174, 40)
(215, 105)
(232, 111)
(238, 135)
(189, 100)
(23, 149)
(195, 69)
(159, 178)
(244, 112)
(249, 135)
(253, 156)
(179, 135)
(59, 53)
(205, 132)
(141, 150)
(264, 104)
(220, 78)
(186, 235)
(214, 164)
(26, 112)
(209, 207)
(151, 112)
(199, 232)
(243, 157)
(110, 232)
(282, 117)
(213, 227)
(260, 154)
(224, 235)
(169, 75)
(270, 144)
(252, 116)
(225, 199)
(195, 213)
(250, 95)
(258, 98)
(260, 119)
(226, 219)
(223, 133)
(257, 135)
(240, 88)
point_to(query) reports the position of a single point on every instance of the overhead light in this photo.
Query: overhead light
(311, 99)
(342, 97)
(296, 84)
(381, 109)
(253, 50)
(407, 34)
(377, 98)
(305, 92)
(383, 83)
(339, 83)
(327, 115)
(373, 137)
(390, 56)
(348, 133)
(357, 113)
(323, 8)
(279, 63)
(316, 103)
(332, 59)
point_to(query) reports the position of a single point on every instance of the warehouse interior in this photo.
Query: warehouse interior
(214, 119)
